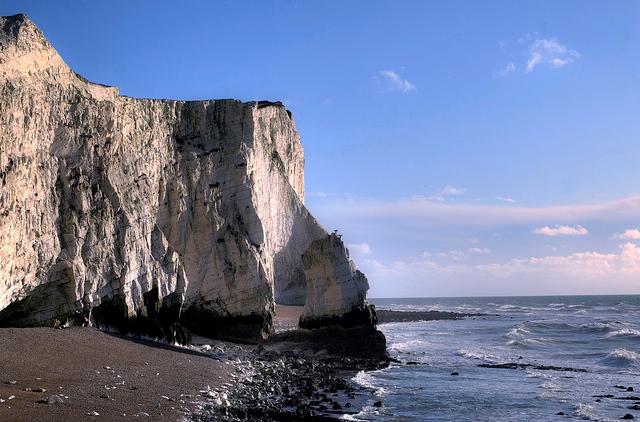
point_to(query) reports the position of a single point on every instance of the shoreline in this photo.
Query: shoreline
(84, 373)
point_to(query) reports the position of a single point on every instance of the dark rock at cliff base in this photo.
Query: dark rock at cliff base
(251, 328)
(357, 317)
(365, 342)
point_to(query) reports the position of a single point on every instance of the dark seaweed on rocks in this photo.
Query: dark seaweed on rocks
(385, 316)
(513, 365)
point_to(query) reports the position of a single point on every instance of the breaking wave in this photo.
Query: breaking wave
(622, 358)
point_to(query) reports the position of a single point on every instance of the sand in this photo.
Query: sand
(116, 377)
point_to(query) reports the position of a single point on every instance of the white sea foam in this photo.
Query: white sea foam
(587, 412)
(517, 331)
(528, 342)
(406, 346)
(477, 354)
(625, 332)
(366, 379)
(622, 358)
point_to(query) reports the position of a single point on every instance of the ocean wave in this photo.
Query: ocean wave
(622, 358)
(517, 331)
(528, 342)
(558, 325)
(624, 332)
(477, 354)
(404, 346)
(366, 379)
(587, 412)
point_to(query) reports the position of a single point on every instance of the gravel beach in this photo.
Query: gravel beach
(84, 373)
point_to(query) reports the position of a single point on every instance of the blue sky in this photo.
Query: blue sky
(463, 148)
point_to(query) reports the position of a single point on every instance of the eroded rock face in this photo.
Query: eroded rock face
(150, 215)
(336, 289)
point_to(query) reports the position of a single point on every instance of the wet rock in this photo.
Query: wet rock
(630, 389)
(35, 389)
(560, 413)
(386, 316)
(512, 365)
(454, 374)
(634, 407)
(53, 399)
(377, 404)
(628, 416)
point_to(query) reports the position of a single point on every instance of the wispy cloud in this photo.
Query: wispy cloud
(359, 248)
(508, 68)
(479, 251)
(578, 272)
(558, 230)
(426, 212)
(394, 82)
(318, 194)
(450, 190)
(548, 51)
(629, 234)
(459, 254)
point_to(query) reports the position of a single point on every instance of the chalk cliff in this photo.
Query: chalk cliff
(153, 216)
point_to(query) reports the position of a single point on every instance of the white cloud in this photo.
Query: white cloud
(394, 82)
(557, 230)
(548, 51)
(359, 248)
(459, 254)
(479, 251)
(454, 254)
(318, 194)
(582, 272)
(508, 68)
(629, 234)
(449, 190)
(506, 199)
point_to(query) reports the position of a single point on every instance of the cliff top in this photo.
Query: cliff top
(26, 52)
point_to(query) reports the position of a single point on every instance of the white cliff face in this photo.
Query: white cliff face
(136, 204)
(334, 286)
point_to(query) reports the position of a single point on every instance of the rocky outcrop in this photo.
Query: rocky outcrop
(155, 216)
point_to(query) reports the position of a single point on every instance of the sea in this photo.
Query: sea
(597, 334)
